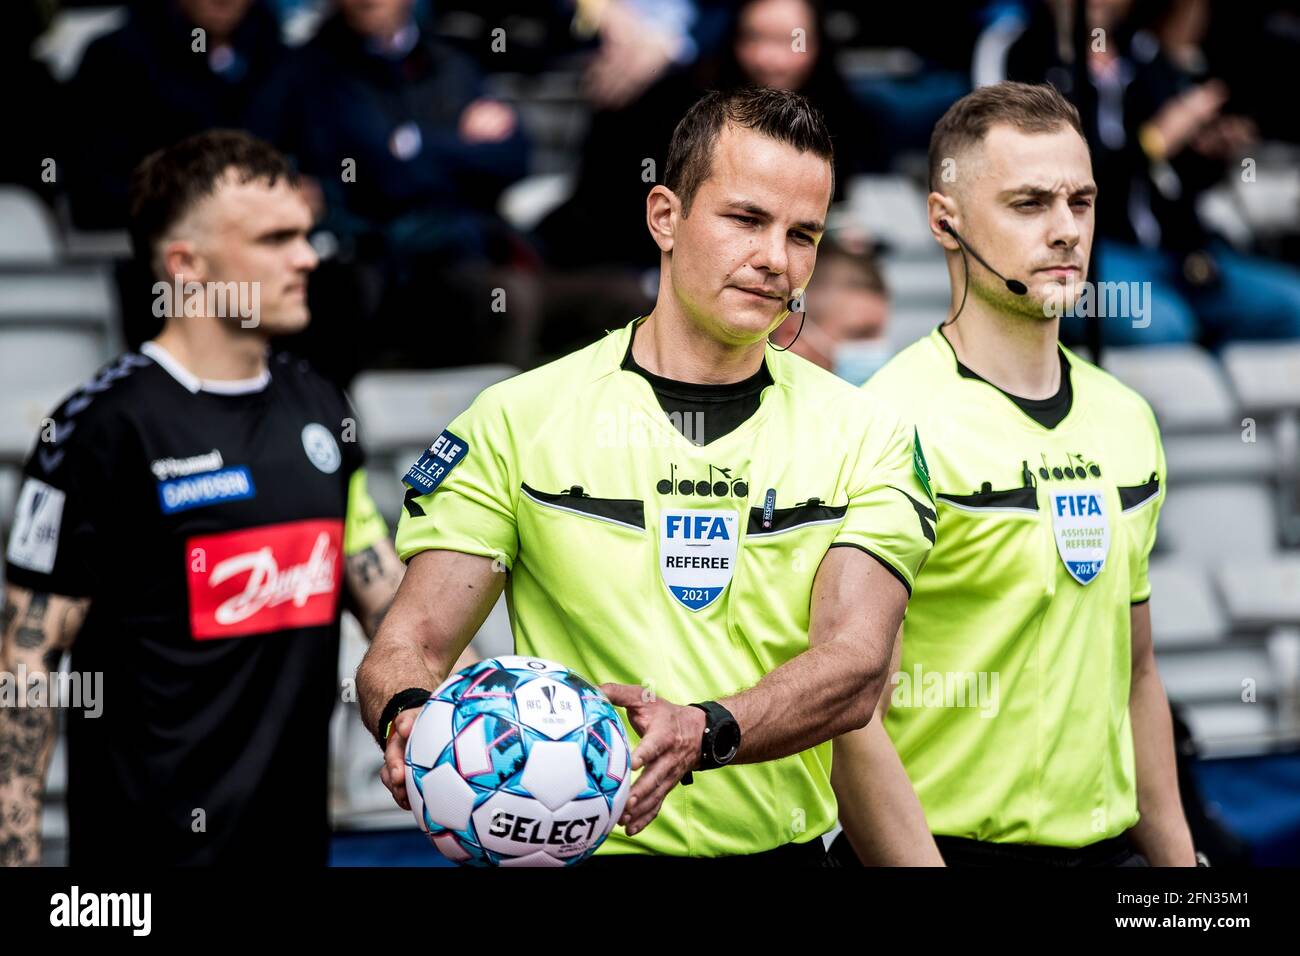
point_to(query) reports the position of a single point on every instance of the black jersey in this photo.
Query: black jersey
(206, 523)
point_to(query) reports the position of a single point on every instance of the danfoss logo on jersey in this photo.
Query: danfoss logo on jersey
(270, 578)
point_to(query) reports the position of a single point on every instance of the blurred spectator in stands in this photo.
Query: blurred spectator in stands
(33, 105)
(846, 327)
(641, 40)
(1165, 129)
(408, 157)
(775, 43)
(176, 67)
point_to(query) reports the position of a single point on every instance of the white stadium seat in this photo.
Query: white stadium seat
(399, 409)
(1217, 522)
(1183, 383)
(1265, 375)
(28, 233)
(67, 294)
(1219, 676)
(1262, 592)
(1185, 611)
(1221, 456)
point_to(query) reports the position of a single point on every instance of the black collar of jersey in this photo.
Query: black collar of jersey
(698, 391)
(1048, 412)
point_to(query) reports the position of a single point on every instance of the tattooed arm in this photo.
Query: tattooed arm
(35, 629)
(373, 576)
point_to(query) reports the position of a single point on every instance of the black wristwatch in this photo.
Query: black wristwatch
(721, 737)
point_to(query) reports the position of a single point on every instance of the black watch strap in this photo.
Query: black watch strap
(402, 700)
(720, 731)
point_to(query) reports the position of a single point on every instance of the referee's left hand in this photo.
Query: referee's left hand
(671, 736)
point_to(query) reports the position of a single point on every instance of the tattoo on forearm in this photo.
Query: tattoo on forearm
(27, 733)
(367, 566)
(31, 632)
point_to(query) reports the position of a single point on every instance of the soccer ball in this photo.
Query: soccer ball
(517, 761)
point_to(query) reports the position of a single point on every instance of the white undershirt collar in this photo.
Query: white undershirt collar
(193, 384)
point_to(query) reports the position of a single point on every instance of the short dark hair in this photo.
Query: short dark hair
(167, 183)
(780, 114)
(1029, 107)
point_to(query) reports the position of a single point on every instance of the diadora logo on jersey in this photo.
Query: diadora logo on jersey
(697, 554)
(1082, 532)
(718, 483)
(428, 472)
(229, 484)
(269, 578)
(1074, 466)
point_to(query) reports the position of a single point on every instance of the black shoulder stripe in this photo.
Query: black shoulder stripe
(629, 512)
(924, 514)
(1132, 496)
(786, 519)
(411, 505)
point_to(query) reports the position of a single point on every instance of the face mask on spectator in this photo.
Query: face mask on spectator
(856, 360)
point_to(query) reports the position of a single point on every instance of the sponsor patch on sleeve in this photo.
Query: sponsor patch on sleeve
(34, 540)
(919, 464)
(433, 466)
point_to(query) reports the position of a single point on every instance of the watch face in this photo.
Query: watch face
(726, 740)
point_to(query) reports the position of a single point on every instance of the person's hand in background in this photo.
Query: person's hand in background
(486, 121)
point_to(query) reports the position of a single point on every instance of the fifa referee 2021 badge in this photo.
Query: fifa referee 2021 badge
(686, 515)
(1026, 705)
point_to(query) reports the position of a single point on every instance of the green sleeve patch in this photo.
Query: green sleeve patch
(919, 466)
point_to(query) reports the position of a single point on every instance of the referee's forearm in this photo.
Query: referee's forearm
(828, 690)
(1161, 833)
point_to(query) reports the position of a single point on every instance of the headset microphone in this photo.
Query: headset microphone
(1014, 286)
(794, 303)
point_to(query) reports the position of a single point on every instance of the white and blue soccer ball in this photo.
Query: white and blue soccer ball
(517, 761)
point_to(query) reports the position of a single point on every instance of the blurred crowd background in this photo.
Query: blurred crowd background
(453, 148)
(478, 170)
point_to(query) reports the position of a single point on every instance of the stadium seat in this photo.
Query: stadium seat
(82, 295)
(39, 369)
(1238, 719)
(918, 281)
(403, 409)
(1216, 522)
(1183, 383)
(29, 234)
(1220, 456)
(1263, 592)
(1218, 676)
(1185, 611)
(1265, 375)
(892, 210)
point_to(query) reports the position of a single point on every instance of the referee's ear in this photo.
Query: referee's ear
(661, 209)
(941, 208)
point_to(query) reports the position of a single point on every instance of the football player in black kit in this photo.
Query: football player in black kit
(190, 527)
